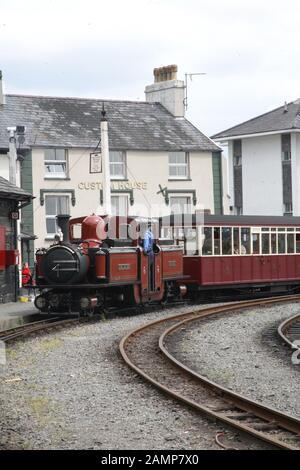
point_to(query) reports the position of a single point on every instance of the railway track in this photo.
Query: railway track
(289, 331)
(145, 351)
(35, 327)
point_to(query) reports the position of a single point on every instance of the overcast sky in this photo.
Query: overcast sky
(108, 49)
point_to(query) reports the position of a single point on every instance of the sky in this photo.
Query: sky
(249, 51)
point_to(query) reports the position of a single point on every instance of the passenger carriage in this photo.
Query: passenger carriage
(237, 252)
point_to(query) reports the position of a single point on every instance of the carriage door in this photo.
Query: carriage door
(257, 259)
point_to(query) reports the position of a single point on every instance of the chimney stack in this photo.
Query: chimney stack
(2, 98)
(167, 90)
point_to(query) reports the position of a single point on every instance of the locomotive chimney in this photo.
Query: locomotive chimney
(63, 223)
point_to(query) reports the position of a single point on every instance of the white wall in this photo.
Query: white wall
(4, 166)
(262, 175)
(143, 167)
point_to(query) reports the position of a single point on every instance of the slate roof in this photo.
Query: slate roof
(278, 119)
(75, 122)
(10, 191)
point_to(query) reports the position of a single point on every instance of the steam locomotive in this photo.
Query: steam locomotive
(97, 262)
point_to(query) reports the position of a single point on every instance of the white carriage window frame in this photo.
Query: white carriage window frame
(54, 163)
(271, 230)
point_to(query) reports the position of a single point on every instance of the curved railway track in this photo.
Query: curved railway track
(289, 331)
(145, 351)
(44, 325)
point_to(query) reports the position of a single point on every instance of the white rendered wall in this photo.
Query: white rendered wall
(4, 166)
(262, 175)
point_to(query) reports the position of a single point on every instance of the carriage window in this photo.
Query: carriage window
(255, 243)
(217, 246)
(236, 240)
(207, 241)
(226, 241)
(265, 243)
(281, 242)
(273, 243)
(245, 241)
(191, 241)
(297, 242)
(290, 243)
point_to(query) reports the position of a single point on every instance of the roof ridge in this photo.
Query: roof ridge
(252, 119)
(78, 98)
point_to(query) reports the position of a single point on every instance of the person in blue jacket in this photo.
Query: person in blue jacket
(148, 248)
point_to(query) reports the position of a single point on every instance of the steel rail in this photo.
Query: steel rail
(289, 331)
(234, 409)
(33, 327)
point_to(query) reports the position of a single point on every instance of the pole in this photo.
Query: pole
(105, 164)
(12, 155)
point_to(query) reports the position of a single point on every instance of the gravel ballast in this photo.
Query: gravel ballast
(71, 390)
(243, 352)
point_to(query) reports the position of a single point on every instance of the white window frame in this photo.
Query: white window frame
(53, 216)
(49, 162)
(123, 162)
(186, 165)
(189, 204)
(119, 196)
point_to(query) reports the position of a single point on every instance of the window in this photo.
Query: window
(217, 245)
(265, 243)
(180, 205)
(237, 161)
(290, 239)
(117, 165)
(55, 205)
(256, 241)
(281, 243)
(207, 241)
(236, 241)
(245, 241)
(288, 209)
(226, 241)
(178, 165)
(286, 147)
(119, 205)
(55, 163)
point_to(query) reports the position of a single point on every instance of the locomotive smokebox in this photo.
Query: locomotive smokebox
(63, 223)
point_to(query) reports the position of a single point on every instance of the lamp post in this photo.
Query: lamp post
(105, 163)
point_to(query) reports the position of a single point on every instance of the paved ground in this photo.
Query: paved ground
(13, 313)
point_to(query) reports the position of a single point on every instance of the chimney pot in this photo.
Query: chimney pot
(167, 90)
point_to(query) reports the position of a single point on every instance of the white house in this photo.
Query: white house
(264, 163)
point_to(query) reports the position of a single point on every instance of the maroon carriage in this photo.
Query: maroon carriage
(254, 253)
